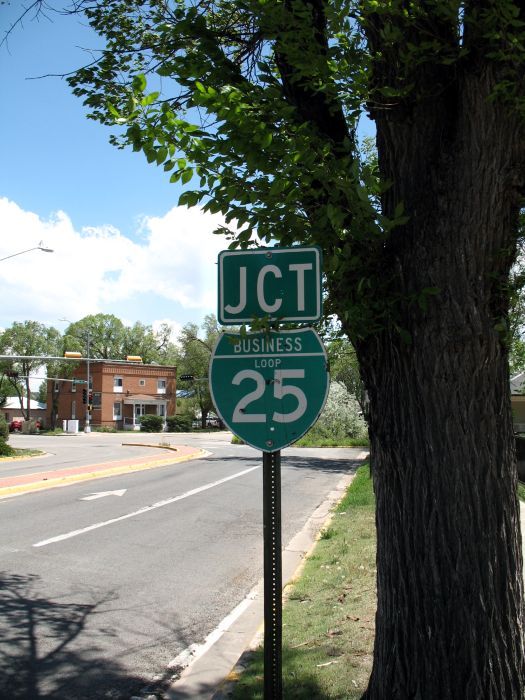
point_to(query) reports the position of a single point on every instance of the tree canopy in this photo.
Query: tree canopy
(109, 338)
(27, 339)
(193, 354)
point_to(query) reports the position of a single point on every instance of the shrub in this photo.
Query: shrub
(104, 429)
(340, 417)
(4, 429)
(5, 449)
(151, 424)
(180, 423)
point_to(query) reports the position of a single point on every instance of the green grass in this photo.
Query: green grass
(521, 490)
(328, 617)
(18, 452)
(312, 441)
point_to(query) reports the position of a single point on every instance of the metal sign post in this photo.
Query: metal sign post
(273, 584)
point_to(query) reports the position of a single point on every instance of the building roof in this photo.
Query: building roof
(13, 402)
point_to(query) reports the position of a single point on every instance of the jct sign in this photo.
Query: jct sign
(269, 388)
(282, 283)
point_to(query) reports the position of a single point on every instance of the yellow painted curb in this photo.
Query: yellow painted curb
(19, 489)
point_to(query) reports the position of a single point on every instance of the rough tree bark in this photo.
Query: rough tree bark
(450, 617)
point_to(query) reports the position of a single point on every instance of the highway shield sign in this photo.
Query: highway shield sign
(269, 388)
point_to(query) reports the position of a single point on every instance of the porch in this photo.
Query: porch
(137, 405)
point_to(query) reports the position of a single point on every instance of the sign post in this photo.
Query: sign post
(273, 577)
(269, 389)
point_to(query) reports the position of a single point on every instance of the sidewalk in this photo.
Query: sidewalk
(51, 478)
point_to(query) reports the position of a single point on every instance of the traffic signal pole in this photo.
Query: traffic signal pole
(87, 427)
(273, 614)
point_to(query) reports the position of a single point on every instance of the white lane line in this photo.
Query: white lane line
(146, 509)
(195, 651)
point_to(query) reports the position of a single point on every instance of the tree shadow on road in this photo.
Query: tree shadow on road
(38, 654)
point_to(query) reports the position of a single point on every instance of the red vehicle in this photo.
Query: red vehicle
(15, 426)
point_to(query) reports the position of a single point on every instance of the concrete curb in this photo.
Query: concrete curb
(210, 674)
(145, 444)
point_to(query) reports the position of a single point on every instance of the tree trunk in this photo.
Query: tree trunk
(449, 564)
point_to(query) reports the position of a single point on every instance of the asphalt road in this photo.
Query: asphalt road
(98, 596)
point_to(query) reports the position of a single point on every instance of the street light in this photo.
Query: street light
(40, 246)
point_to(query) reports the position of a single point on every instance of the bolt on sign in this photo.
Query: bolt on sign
(280, 283)
(269, 388)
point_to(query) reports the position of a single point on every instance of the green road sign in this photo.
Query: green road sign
(280, 283)
(269, 388)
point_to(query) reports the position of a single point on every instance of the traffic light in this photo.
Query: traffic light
(187, 377)
(11, 373)
(91, 396)
(84, 395)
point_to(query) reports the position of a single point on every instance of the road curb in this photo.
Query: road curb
(92, 472)
(145, 444)
(216, 666)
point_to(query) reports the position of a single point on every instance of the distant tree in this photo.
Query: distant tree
(516, 328)
(344, 368)
(152, 346)
(109, 338)
(105, 334)
(195, 348)
(341, 418)
(28, 339)
(41, 394)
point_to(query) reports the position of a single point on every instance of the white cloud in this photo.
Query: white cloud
(91, 271)
(176, 262)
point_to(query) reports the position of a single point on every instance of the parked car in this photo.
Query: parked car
(15, 426)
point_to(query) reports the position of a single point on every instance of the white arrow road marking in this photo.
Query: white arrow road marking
(101, 494)
(146, 509)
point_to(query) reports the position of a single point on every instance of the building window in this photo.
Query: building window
(73, 410)
(73, 386)
(97, 399)
(162, 410)
(117, 410)
(117, 384)
(142, 382)
(161, 386)
(56, 386)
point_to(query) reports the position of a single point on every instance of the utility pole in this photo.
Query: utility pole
(87, 427)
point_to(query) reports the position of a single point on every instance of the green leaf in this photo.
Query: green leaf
(139, 82)
(187, 175)
(149, 99)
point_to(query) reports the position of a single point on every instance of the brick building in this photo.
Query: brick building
(121, 393)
